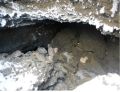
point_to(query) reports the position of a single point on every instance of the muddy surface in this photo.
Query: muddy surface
(75, 55)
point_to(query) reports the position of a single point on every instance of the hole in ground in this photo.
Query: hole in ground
(77, 52)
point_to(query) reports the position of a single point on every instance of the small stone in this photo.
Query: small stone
(83, 59)
(16, 53)
(55, 50)
(50, 50)
(42, 50)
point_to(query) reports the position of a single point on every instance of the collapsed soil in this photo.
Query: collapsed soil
(75, 56)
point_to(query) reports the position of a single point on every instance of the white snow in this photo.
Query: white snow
(21, 82)
(61, 15)
(12, 82)
(107, 28)
(90, 13)
(3, 22)
(102, 10)
(102, 83)
(114, 7)
(4, 65)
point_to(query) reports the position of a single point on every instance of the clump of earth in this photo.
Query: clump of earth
(74, 57)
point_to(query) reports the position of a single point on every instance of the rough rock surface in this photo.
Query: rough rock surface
(104, 14)
(72, 59)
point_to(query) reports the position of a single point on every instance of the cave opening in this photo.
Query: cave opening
(74, 52)
(40, 34)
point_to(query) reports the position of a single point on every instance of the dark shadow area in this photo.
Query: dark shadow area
(28, 38)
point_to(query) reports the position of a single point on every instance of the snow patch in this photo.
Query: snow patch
(4, 65)
(3, 22)
(107, 28)
(101, 83)
(114, 7)
(102, 10)
(60, 14)
(21, 82)
(15, 80)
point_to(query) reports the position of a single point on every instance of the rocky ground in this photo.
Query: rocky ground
(76, 56)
